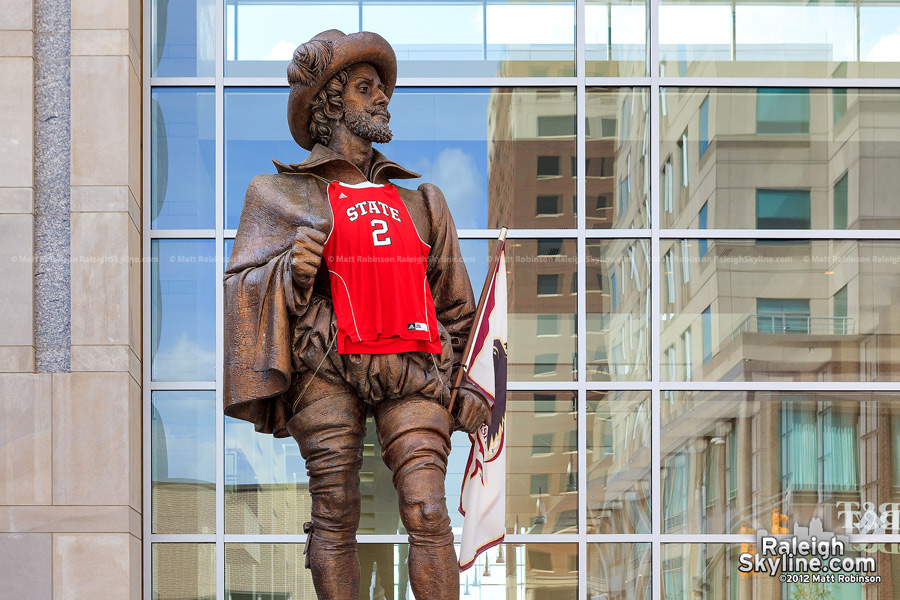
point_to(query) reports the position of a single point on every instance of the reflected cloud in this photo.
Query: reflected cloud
(281, 51)
(187, 358)
(455, 172)
(886, 50)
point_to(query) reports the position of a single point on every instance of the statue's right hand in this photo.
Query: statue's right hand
(306, 254)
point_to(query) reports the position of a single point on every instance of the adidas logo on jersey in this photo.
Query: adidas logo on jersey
(342, 196)
(417, 327)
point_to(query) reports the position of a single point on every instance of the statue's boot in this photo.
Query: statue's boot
(415, 442)
(329, 429)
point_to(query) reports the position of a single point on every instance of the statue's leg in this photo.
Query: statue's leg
(329, 428)
(415, 439)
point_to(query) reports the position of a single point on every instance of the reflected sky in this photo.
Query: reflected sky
(439, 134)
(183, 158)
(428, 37)
(183, 38)
(183, 310)
(184, 436)
(788, 31)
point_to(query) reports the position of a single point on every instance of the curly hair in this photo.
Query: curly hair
(327, 107)
(310, 60)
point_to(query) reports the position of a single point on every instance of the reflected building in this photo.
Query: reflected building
(776, 310)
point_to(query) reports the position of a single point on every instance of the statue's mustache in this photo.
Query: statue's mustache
(379, 110)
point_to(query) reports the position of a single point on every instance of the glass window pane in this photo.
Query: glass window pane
(782, 209)
(618, 286)
(183, 461)
(260, 36)
(776, 159)
(617, 147)
(267, 487)
(430, 38)
(541, 285)
(183, 312)
(276, 572)
(183, 38)
(182, 571)
(618, 459)
(541, 463)
(791, 38)
(479, 146)
(621, 571)
(748, 295)
(616, 34)
(714, 569)
(256, 131)
(738, 462)
(183, 152)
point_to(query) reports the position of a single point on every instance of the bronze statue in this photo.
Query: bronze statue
(282, 370)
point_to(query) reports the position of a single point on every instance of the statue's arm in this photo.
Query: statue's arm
(262, 295)
(454, 301)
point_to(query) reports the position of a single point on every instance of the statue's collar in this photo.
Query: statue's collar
(327, 163)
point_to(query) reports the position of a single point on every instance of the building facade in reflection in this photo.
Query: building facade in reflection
(777, 310)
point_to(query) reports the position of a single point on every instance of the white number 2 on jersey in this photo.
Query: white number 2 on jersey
(382, 228)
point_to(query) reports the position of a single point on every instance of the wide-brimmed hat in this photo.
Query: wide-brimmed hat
(347, 50)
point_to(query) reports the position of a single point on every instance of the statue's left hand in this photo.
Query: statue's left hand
(473, 411)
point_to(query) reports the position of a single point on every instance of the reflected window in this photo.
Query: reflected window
(840, 202)
(542, 444)
(549, 247)
(548, 324)
(776, 315)
(839, 106)
(555, 125)
(706, 324)
(782, 110)
(685, 261)
(668, 193)
(548, 205)
(704, 126)
(548, 166)
(688, 358)
(808, 438)
(703, 223)
(669, 273)
(547, 284)
(841, 322)
(782, 209)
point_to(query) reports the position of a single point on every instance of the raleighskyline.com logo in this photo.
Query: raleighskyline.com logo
(809, 555)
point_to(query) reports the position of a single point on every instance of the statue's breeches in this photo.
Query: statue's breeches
(374, 377)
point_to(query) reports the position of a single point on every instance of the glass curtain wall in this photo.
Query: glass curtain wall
(702, 262)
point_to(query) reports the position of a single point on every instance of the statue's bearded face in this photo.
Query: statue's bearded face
(365, 105)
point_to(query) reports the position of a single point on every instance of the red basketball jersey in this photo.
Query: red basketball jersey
(376, 261)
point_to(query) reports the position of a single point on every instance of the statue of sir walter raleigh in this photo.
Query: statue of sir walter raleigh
(346, 295)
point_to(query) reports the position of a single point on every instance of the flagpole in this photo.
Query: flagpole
(482, 300)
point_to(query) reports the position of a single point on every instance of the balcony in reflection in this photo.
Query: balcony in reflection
(778, 310)
(739, 462)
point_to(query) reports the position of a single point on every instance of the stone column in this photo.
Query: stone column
(70, 345)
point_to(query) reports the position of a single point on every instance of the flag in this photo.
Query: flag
(483, 497)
